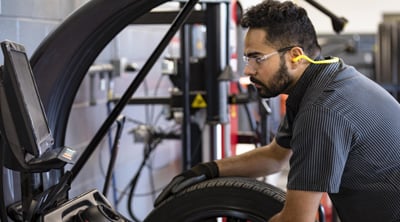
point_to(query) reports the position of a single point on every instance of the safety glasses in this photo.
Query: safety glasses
(255, 61)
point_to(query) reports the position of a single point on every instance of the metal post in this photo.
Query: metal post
(186, 127)
(213, 69)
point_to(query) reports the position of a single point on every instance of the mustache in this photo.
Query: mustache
(256, 81)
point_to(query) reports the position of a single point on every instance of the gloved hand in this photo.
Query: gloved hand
(196, 174)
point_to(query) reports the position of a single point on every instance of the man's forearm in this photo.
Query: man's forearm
(255, 163)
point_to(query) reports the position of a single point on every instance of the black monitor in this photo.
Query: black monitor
(23, 120)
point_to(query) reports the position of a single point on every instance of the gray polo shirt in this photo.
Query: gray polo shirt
(344, 131)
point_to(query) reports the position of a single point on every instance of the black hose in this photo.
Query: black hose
(150, 147)
(131, 191)
(114, 152)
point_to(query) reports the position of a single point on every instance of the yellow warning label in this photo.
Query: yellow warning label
(199, 102)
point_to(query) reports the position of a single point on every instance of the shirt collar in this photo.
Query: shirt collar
(315, 75)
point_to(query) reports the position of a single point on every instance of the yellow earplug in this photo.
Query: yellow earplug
(325, 61)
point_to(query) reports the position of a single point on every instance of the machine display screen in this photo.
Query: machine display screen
(30, 122)
(29, 95)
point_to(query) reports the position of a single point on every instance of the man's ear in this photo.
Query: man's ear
(295, 57)
(296, 54)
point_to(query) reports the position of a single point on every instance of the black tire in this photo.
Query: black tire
(243, 199)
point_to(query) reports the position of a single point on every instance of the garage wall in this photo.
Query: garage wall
(363, 15)
(29, 21)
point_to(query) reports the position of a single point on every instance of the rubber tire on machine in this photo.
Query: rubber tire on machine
(229, 197)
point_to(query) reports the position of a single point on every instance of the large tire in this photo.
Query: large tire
(240, 198)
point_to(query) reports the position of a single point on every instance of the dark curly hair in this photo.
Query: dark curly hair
(285, 23)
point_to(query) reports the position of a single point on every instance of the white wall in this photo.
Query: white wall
(363, 16)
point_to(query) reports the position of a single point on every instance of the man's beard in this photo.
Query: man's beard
(279, 83)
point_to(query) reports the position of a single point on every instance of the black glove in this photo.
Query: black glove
(197, 174)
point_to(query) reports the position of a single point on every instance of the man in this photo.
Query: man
(341, 132)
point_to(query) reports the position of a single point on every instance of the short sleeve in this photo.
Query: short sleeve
(320, 143)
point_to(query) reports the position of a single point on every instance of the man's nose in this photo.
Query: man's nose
(248, 70)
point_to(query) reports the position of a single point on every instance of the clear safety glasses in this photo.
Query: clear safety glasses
(255, 61)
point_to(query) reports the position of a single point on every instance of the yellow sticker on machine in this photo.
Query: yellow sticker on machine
(199, 102)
